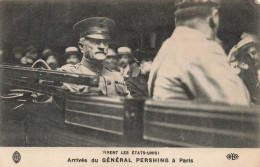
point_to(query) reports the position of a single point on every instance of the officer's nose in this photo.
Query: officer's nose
(101, 45)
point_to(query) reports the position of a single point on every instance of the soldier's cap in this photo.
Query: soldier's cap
(71, 50)
(145, 55)
(95, 27)
(182, 4)
(124, 51)
(111, 52)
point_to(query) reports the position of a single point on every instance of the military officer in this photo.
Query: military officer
(95, 34)
(191, 65)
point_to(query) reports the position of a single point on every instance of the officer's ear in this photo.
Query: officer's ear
(214, 19)
(80, 46)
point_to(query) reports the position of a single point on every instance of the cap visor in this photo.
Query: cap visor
(98, 36)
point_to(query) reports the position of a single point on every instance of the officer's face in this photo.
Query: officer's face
(72, 59)
(123, 60)
(95, 49)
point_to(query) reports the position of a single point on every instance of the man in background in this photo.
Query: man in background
(191, 65)
(244, 59)
(127, 64)
(50, 58)
(18, 54)
(30, 56)
(138, 85)
(72, 55)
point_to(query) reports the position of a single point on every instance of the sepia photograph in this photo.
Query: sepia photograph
(130, 73)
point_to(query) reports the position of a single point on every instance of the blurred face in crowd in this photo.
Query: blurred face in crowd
(253, 53)
(249, 58)
(31, 55)
(18, 55)
(111, 63)
(34, 55)
(72, 59)
(123, 61)
(52, 61)
(145, 66)
(94, 49)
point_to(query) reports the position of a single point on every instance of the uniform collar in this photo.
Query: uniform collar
(92, 65)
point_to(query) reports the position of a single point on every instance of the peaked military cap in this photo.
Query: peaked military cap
(95, 27)
(182, 4)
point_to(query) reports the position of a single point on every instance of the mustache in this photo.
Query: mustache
(100, 52)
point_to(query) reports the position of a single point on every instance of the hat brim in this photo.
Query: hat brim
(98, 36)
(95, 27)
(247, 45)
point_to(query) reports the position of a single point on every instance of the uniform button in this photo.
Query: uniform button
(108, 82)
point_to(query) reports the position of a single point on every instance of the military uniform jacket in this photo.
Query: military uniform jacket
(191, 67)
(111, 83)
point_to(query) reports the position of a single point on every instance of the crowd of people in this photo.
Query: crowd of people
(191, 64)
(244, 58)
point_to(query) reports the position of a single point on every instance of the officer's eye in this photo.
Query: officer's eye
(99, 41)
(106, 42)
(94, 42)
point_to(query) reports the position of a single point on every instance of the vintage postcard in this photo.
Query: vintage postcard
(130, 83)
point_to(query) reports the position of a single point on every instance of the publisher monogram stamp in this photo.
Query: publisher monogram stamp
(16, 157)
(232, 156)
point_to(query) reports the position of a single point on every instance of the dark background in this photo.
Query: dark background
(49, 23)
